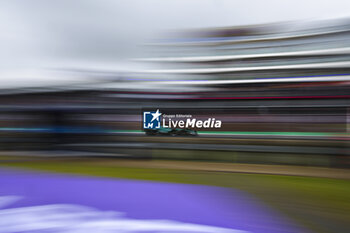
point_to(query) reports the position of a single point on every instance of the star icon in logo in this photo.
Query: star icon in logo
(156, 115)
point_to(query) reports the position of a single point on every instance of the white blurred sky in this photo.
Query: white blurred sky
(55, 33)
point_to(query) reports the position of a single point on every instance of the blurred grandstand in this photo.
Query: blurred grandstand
(281, 90)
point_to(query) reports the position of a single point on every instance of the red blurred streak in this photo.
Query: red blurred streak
(280, 97)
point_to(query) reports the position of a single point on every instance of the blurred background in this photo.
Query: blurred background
(75, 76)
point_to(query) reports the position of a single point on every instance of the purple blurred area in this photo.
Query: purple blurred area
(80, 204)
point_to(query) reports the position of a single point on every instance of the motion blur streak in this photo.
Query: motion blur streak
(75, 218)
(262, 87)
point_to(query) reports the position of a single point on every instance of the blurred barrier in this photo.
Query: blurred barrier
(281, 93)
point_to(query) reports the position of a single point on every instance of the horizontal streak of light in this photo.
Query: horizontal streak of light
(335, 51)
(322, 65)
(265, 80)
